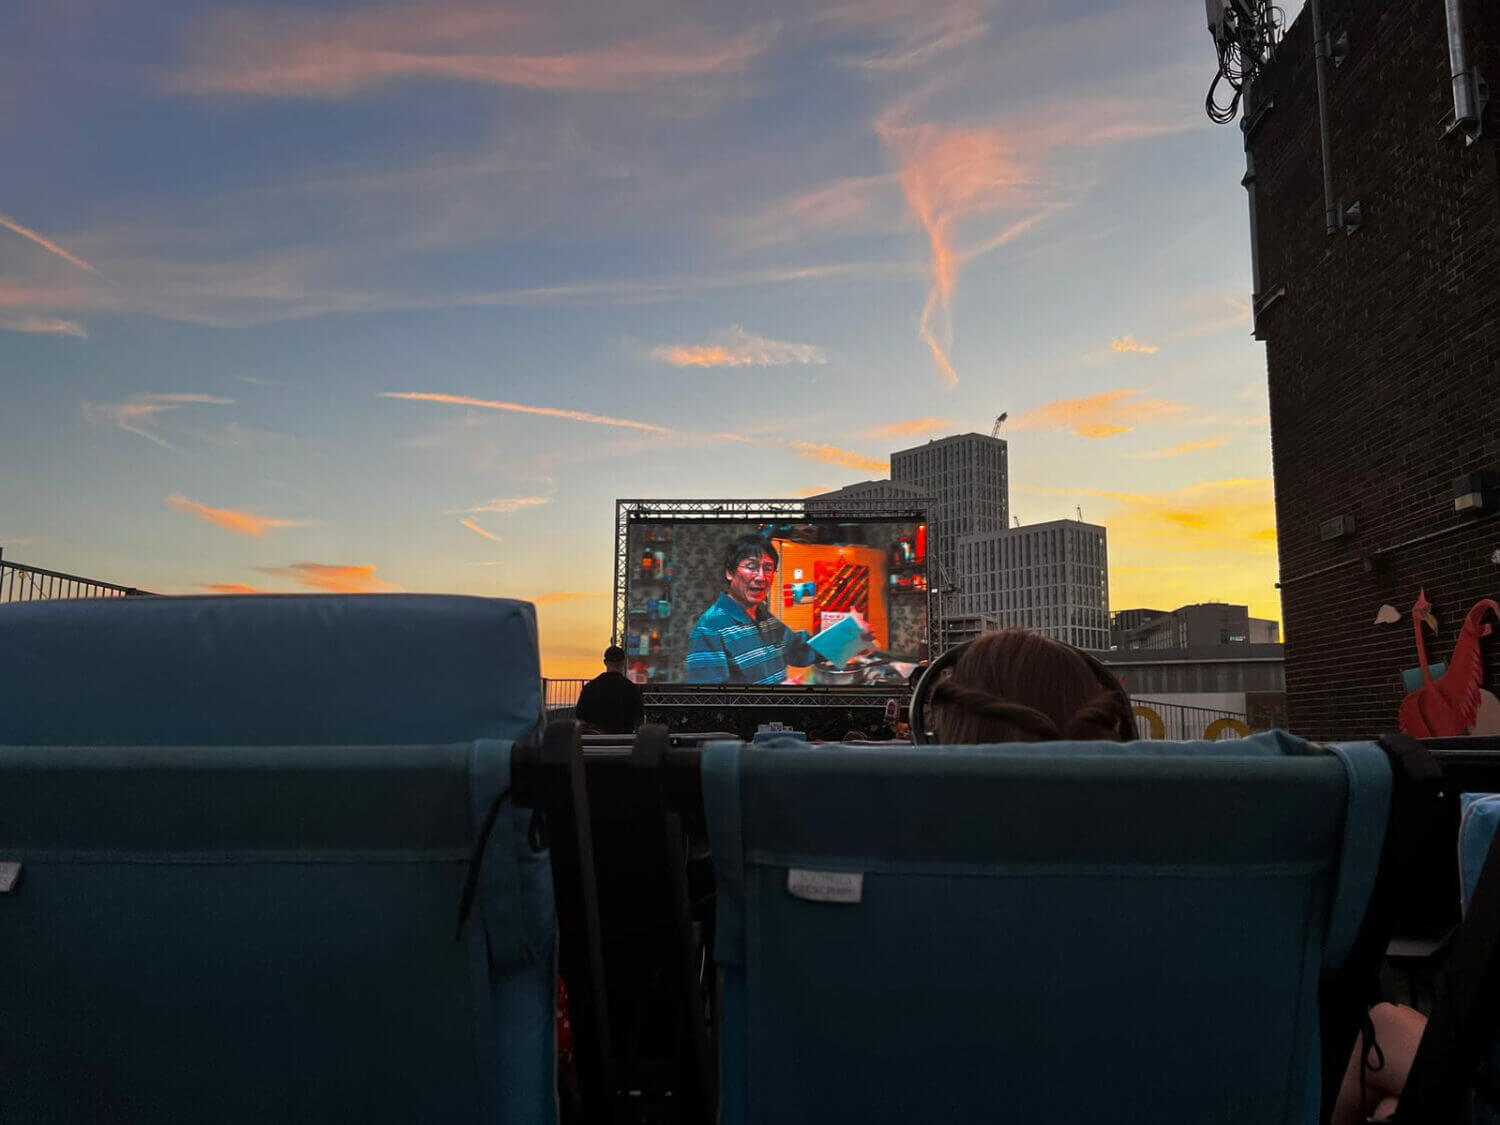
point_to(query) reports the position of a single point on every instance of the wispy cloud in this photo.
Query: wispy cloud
(918, 31)
(231, 588)
(557, 597)
(912, 427)
(505, 505)
(813, 451)
(41, 325)
(333, 579)
(1099, 416)
(1179, 450)
(1213, 313)
(241, 523)
(518, 408)
(45, 243)
(336, 55)
(136, 416)
(477, 530)
(948, 175)
(738, 348)
(1130, 345)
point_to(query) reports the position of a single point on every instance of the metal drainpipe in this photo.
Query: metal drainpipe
(1320, 55)
(1248, 183)
(1465, 104)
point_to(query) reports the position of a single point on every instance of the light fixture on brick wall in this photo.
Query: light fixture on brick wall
(1339, 527)
(1477, 492)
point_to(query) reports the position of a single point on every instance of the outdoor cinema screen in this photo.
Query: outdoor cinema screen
(821, 600)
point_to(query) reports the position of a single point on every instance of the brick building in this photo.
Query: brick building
(1382, 347)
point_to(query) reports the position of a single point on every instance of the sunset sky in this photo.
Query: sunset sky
(368, 297)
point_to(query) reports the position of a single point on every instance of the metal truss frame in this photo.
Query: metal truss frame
(696, 696)
(751, 511)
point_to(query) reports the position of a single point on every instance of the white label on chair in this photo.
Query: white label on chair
(826, 886)
(9, 873)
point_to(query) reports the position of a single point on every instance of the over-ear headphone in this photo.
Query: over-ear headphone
(934, 672)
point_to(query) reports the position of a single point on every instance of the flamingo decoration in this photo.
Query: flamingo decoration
(1454, 703)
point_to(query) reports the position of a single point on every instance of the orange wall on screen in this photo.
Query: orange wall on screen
(805, 557)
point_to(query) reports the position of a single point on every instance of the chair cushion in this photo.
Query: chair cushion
(1059, 932)
(276, 670)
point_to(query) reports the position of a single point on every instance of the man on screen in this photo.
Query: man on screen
(738, 640)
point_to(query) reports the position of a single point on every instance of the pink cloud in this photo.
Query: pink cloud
(278, 54)
(813, 451)
(41, 325)
(45, 243)
(949, 174)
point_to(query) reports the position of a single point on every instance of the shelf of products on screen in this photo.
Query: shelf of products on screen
(643, 644)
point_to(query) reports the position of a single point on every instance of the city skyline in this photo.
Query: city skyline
(374, 298)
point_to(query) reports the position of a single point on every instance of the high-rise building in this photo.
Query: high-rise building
(1049, 577)
(1052, 578)
(968, 477)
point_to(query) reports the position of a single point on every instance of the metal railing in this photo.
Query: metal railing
(20, 583)
(1176, 721)
(1180, 722)
(561, 693)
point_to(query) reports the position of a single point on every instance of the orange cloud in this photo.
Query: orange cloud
(477, 530)
(1098, 416)
(1130, 345)
(241, 523)
(740, 349)
(948, 175)
(833, 455)
(913, 427)
(560, 596)
(336, 55)
(1179, 450)
(41, 325)
(45, 243)
(333, 579)
(231, 588)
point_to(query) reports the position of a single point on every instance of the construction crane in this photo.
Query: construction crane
(1000, 421)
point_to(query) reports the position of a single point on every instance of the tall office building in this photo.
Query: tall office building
(968, 477)
(1052, 578)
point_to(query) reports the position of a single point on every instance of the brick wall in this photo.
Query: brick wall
(1384, 355)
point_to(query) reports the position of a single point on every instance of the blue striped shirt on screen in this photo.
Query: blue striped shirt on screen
(727, 647)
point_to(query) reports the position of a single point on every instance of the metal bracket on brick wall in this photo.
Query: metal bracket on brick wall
(1252, 123)
(1338, 49)
(1262, 303)
(1349, 217)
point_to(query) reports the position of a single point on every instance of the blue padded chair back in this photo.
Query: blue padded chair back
(281, 671)
(254, 917)
(1478, 822)
(266, 934)
(1060, 932)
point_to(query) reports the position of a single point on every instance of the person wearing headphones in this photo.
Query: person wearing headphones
(1019, 686)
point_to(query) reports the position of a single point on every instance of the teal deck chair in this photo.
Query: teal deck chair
(1041, 933)
(243, 828)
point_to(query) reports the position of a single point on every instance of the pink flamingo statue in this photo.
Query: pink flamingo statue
(1452, 704)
